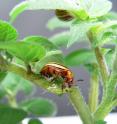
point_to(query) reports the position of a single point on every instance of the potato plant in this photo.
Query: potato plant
(21, 60)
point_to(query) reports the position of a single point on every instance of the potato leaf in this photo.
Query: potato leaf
(109, 58)
(41, 41)
(80, 57)
(78, 31)
(91, 8)
(109, 16)
(61, 39)
(92, 68)
(25, 51)
(34, 121)
(53, 4)
(101, 122)
(2, 76)
(55, 23)
(7, 32)
(106, 33)
(13, 83)
(18, 10)
(39, 106)
(96, 8)
(11, 115)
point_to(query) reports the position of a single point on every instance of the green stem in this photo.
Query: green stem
(28, 67)
(113, 78)
(107, 103)
(101, 62)
(80, 106)
(93, 93)
(102, 65)
(104, 109)
(11, 99)
(3, 64)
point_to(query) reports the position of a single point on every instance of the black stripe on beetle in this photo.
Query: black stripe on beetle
(63, 15)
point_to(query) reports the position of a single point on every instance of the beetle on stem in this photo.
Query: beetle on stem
(55, 70)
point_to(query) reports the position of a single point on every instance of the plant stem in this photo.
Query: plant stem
(101, 62)
(104, 109)
(12, 101)
(80, 106)
(111, 85)
(93, 93)
(107, 103)
(3, 64)
(102, 65)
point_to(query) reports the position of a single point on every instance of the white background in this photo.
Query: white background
(110, 119)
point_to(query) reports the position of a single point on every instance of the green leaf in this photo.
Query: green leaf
(105, 33)
(19, 62)
(101, 122)
(91, 8)
(92, 68)
(80, 57)
(41, 41)
(55, 23)
(2, 93)
(81, 14)
(96, 8)
(61, 39)
(13, 83)
(53, 4)
(2, 76)
(109, 16)
(108, 54)
(18, 10)
(35, 121)
(78, 31)
(10, 115)
(109, 57)
(52, 56)
(39, 106)
(7, 32)
(27, 52)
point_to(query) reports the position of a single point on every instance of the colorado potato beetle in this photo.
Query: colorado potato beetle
(55, 70)
(63, 15)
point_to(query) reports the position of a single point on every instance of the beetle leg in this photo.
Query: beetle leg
(63, 87)
(70, 85)
(53, 78)
(29, 70)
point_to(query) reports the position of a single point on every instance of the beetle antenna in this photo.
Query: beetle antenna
(80, 80)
